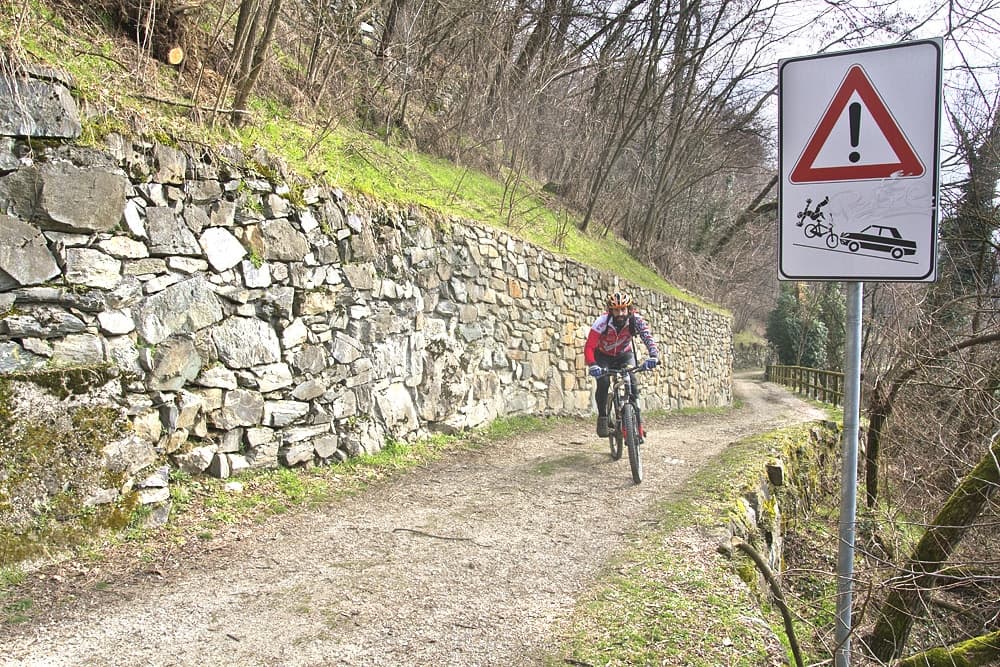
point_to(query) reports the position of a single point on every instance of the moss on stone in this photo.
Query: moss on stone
(67, 381)
(747, 572)
(769, 510)
(52, 460)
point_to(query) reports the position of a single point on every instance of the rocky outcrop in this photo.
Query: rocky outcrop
(256, 321)
(801, 475)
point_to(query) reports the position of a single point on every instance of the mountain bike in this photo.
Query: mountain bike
(624, 420)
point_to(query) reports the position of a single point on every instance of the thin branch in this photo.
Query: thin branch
(101, 55)
(779, 597)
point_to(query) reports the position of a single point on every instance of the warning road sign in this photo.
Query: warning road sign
(858, 156)
(851, 168)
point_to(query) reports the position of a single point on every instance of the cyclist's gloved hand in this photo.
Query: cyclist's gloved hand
(596, 371)
(650, 363)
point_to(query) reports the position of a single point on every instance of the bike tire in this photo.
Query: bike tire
(615, 439)
(630, 426)
(832, 240)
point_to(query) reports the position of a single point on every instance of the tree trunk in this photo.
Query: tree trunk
(536, 40)
(157, 27)
(880, 407)
(255, 53)
(503, 53)
(748, 214)
(318, 41)
(978, 651)
(878, 413)
(905, 599)
(389, 31)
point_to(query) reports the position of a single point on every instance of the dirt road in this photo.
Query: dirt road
(473, 560)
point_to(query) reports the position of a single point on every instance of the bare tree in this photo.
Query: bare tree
(251, 44)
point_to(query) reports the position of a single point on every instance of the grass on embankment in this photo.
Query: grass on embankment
(670, 598)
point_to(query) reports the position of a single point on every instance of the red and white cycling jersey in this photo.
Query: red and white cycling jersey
(605, 338)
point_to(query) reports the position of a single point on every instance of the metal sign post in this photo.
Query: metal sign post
(849, 474)
(858, 135)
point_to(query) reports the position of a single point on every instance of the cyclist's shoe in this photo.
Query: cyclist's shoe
(602, 426)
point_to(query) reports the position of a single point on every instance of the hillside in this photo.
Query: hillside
(419, 161)
(614, 133)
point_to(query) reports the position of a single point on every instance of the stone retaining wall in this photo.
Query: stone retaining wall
(803, 474)
(246, 319)
(752, 355)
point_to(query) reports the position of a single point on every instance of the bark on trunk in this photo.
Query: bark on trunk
(906, 597)
(258, 52)
(981, 650)
(389, 31)
(157, 27)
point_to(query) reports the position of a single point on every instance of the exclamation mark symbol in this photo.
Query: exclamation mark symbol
(855, 113)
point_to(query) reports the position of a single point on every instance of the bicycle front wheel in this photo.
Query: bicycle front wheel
(630, 427)
(614, 428)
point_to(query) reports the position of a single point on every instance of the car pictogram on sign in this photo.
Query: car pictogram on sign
(881, 238)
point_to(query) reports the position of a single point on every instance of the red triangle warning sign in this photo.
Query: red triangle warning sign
(907, 164)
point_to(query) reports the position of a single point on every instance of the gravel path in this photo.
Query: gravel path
(475, 559)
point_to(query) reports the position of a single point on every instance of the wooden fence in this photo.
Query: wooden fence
(825, 386)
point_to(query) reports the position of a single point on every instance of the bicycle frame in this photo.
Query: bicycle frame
(621, 383)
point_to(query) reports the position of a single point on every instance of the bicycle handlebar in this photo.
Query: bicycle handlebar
(621, 371)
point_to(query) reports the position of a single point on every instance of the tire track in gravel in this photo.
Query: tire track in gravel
(474, 559)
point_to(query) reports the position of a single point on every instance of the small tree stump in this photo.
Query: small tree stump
(175, 55)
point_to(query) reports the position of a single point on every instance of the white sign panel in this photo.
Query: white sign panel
(858, 154)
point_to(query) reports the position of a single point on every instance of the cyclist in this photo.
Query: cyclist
(609, 345)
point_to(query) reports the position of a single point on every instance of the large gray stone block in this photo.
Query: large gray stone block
(24, 254)
(31, 107)
(60, 196)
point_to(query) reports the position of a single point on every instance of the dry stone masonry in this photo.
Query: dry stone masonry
(249, 319)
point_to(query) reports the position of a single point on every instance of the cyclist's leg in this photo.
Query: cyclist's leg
(601, 395)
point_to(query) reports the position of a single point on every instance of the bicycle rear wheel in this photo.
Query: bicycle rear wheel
(630, 427)
(614, 429)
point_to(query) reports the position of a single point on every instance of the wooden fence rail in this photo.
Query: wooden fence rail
(825, 386)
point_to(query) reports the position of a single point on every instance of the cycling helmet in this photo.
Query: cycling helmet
(619, 300)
